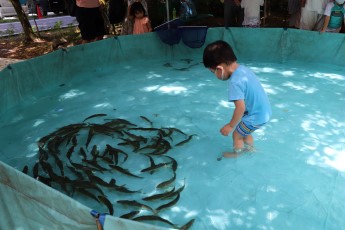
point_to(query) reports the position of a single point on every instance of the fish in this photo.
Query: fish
(83, 153)
(95, 115)
(173, 163)
(89, 136)
(124, 171)
(137, 204)
(154, 167)
(167, 64)
(185, 141)
(25, 169)
(122, 188)
(153, 218)
(80, 183)
(147, 120)
(76, 172)
(166, 183)
(169, 204)
(159, 196)
(87, 193)
(114, 151)
(69, 152)
(59, 163)
(45, 180)
(105, 201)
(178, 191)
(135, 137)
(35, 170)
(188, 225)
(130, 215)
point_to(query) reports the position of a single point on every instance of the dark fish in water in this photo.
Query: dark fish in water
(124, 171)
(76, 172)
(185, 141)
(105, 201)
(74, 140)
(59, 163)
(135, 137)
(188, 225)
(154, 167)
(80, 183)
(69, 152)
(137, 204)
(94, 152)
(178, 191)
(95, 115)
(35, 170)
(130, 215)
(188, 60)
(147, 120)
(171, 203)
(167, 65)
(168, 182)
(89, 136)
(114, 152)
(43, 154)
(153, 218)
(25, 169)
(173, 163)
(45, 180)
(159, 196)
(87, 193)
(83, 153)
(112, 184)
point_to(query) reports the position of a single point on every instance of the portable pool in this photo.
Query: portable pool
(110, 93)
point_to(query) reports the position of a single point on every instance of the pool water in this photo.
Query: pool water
(293, 180)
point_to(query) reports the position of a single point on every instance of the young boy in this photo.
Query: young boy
(334, 16)
(252, 107)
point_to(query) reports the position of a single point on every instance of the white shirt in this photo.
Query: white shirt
(252, 8)
(316, 5)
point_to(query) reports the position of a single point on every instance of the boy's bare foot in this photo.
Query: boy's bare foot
(230, 154)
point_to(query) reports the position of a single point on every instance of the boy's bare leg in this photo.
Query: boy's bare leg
(238, 145)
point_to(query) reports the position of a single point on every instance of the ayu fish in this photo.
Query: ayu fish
(124, 171)
(159, 196)
(173, 163)
(105, 201)
(147, 120)
(188, 225)
(87, 193)
(171, 203)
(137, 204)
(185, 141)
(166, 183)
(130, 215)
(95, 115)
(152, 218)
(25, 169)
(154, 166)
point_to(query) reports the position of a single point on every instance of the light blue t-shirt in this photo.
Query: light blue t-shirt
(244, 84)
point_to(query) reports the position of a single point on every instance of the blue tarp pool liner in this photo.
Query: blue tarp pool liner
(28, 204)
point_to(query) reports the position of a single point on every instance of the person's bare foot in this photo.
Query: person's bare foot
(230, 154)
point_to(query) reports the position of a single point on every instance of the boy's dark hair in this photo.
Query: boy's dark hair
(137, 7)
(218, 52)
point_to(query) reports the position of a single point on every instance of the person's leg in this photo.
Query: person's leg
(238, 145)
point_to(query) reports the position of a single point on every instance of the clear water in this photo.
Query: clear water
(294, 180)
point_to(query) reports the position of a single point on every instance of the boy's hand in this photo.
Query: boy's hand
(226, 129)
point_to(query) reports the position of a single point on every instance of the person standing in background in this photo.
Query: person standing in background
(251, 12)
(233, 13)
(90, 19)
(334, 16)
(142, 23)
(312, 14)
(128, 23)
(294, 8)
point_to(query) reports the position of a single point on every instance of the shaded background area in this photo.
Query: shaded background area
(276, 12)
